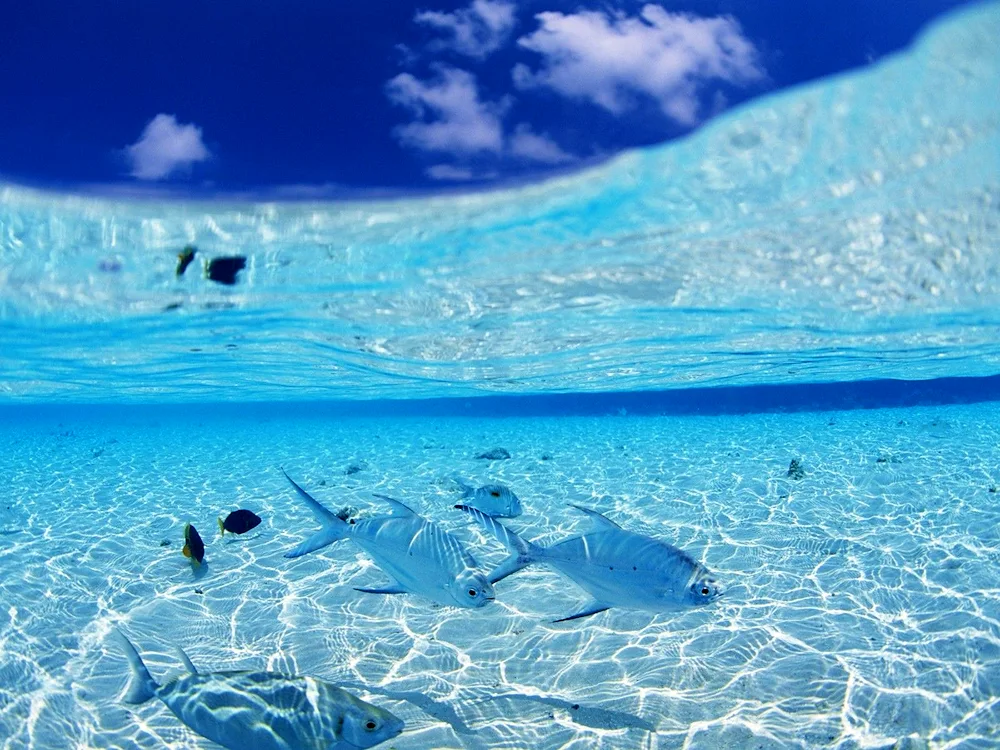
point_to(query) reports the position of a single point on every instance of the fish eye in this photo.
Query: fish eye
(473, 592)
(704, 590)
(370, 725)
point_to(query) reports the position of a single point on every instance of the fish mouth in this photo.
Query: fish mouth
(397, 728)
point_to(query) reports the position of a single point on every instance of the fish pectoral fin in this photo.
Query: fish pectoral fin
(398, 508)
(512, 564)
(395, 588)
(591, 609)
(600, 521)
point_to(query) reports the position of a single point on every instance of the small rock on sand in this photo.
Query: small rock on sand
(495, 454)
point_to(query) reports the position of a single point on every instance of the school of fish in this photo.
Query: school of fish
(273, 711)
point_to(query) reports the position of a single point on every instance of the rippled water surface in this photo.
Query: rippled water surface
(841, 231)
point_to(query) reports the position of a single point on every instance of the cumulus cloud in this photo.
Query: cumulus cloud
(476, 31)
(165, 147)
(611, 59)
(530, 146)
(453, 120)
(451, 117)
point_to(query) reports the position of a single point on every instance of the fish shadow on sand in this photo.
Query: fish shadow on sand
(588, 716)
(435, 709)
(199, 571)
(239, 538)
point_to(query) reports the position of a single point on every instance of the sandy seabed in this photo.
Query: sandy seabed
(862, 604)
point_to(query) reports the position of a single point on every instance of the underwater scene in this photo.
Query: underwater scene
(698, 448)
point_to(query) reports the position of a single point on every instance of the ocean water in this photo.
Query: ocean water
(815, 277)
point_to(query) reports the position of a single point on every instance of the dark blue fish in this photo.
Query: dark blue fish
(239, 522)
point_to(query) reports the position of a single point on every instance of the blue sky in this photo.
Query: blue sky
(308, 98)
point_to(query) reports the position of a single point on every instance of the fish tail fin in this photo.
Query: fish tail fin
(222, 526)
(523, 552)
(142, 686)
(467, 489)
(334, 528)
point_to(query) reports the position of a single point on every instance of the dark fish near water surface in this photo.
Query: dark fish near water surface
(421, 557)
(618, 568)
(264, 710)
(194, 548)
(239, 522)
(492, 499)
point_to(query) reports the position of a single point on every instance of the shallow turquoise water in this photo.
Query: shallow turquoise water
(862, 602)
(846, 233)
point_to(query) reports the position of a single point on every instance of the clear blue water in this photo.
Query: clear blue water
(815, 277)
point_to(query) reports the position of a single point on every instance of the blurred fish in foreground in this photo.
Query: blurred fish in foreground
(264, 710)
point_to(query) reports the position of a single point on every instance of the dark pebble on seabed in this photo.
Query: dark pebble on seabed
(993, 488)
(223, 270)
(346, 513)
(495, 454)
(795, 470)
(546, 457)
(109, 266)
(184, 258)
(198, 591)
(165, 543)
(353, 469)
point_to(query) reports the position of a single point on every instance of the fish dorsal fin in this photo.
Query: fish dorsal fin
(601, 523)
(188, 665)
(398, 508)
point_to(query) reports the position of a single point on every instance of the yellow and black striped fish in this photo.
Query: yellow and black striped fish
(194, 548)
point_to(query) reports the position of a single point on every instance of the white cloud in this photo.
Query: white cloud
(452, 120)
(610, 59)
(165, 147)
(457, 174)
(476, 31)
(528, 145)
(451, 117)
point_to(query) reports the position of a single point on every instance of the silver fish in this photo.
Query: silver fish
(492, 499)
(421, 557)
(616, 567)
(264, 710)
